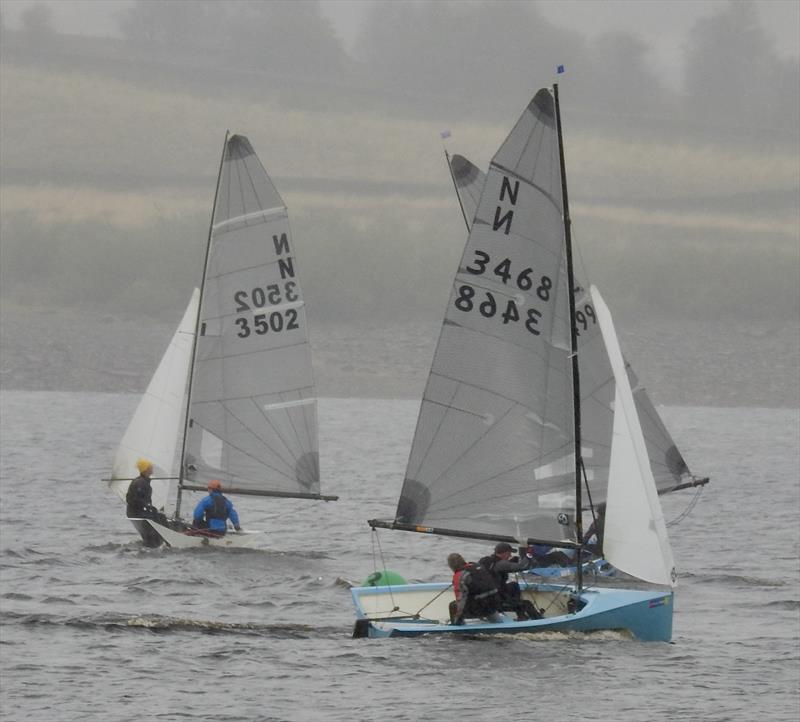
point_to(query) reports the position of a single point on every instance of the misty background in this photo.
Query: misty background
(683, 163)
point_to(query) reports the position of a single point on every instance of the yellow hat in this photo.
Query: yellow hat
(143, 465)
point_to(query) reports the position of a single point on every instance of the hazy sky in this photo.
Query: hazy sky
(703, 181)
(662, 25)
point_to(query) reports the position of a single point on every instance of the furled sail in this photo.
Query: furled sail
(635, 535)
(493, 451)
(597, 380)
(253, 406)
(154, 429)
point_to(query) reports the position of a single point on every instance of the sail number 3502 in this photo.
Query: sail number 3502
(263, 323)
(488, 307)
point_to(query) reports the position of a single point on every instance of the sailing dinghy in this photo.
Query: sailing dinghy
(670, 470)
(239, 368)
(498, 453)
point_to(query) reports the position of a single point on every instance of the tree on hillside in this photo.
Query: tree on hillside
(282, 37)
(173, 25)
(735, 78)
(485, 53)
(291, 37)
(37, 21)
(479, 49)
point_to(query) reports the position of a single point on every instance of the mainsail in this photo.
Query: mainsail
(597, 379)
(153, 430)
(493, 451)
(252, 417)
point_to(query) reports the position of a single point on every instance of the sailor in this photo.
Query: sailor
(499, 565)
(475, 592)
(140, 494)
(213, 511)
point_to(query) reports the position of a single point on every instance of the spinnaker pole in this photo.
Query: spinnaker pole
(576, 388)
(197, 330)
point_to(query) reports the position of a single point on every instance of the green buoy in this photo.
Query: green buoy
(383, 578)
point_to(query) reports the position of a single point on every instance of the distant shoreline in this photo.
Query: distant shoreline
(681, 363)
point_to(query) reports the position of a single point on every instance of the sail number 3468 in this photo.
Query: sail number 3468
(488, 307)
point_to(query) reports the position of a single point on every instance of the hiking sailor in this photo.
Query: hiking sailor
(139, 498)
(213, 511)
(499, 565)
(475, 592)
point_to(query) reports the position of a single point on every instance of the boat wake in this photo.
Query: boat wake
(737, 580)
(164, 624)
(603, 635)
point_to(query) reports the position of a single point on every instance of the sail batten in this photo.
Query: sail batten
(263, 216)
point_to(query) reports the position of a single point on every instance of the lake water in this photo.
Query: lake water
(96, 627)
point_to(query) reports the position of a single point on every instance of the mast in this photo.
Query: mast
(576, 389)
(197, 329)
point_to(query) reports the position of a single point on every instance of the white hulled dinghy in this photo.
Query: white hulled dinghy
(239, 368)
(498, 453)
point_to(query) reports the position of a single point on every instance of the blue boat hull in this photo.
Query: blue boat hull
(412, 610)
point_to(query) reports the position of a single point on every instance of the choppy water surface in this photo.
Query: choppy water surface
(96, 627)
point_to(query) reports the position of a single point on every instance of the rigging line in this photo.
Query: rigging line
(431, 601)
(556, 596)
(591, 504)
(376, 540)
(689, 507)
